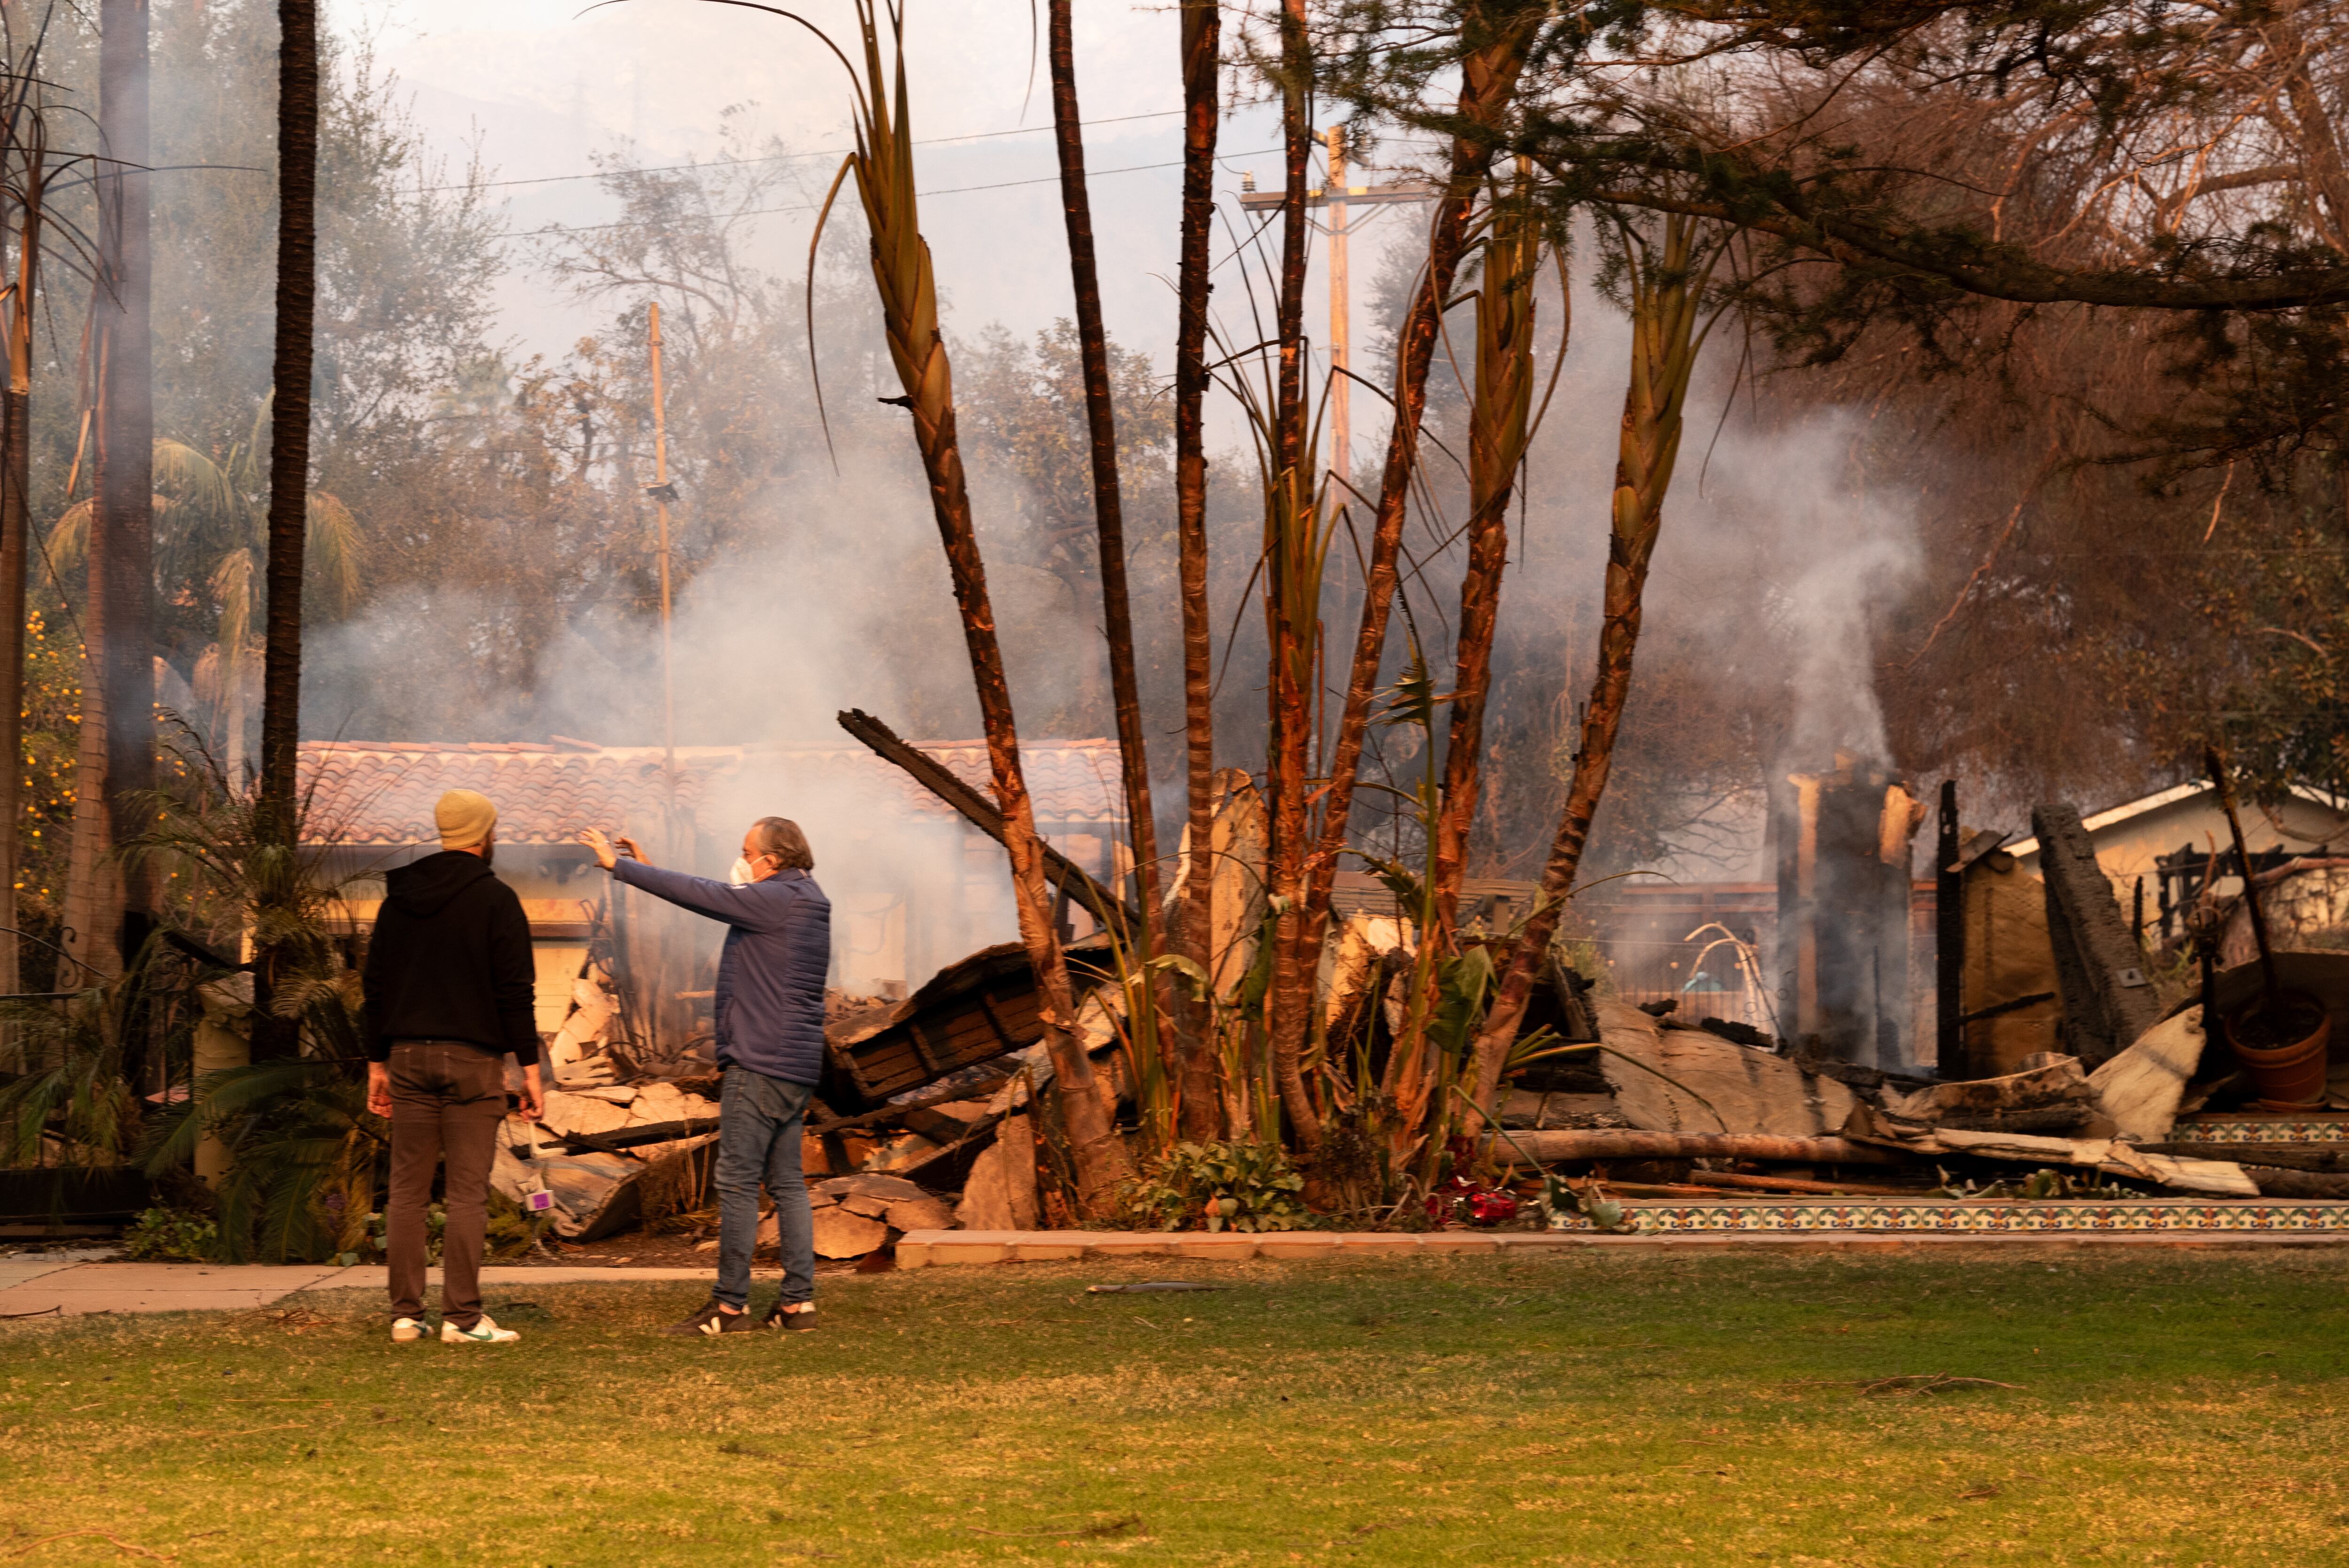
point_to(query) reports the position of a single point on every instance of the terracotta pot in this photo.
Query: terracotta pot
(2290, 1075)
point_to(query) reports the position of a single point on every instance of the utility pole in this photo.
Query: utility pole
(661, 494)
(1341, 456)
(1335, 197)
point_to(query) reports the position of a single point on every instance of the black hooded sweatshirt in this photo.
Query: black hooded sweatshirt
(451, 960)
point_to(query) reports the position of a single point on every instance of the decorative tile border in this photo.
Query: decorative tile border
(1907, 1217)
(2211, 1129)
(1663, 1222)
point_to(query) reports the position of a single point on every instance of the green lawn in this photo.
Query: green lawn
(1563, 1409)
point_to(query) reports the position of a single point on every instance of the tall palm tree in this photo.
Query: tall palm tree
(289, 472)
(1202, 52)
(212, 545)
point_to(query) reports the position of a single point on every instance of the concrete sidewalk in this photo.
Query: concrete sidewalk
(70, 1285)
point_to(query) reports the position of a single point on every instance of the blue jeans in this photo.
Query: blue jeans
(759, 1140)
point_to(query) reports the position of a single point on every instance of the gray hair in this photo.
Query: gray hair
(781, 836)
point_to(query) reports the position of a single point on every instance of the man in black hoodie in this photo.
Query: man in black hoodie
(449, 987)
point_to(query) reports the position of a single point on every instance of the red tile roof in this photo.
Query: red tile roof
(383, 792)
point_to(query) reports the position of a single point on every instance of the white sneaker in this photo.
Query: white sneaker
(484, 1331)
(405, 1330)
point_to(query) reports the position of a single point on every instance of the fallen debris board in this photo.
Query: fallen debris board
(2218, 1177)
(2108, 1000)
(2060, 1085)
(842, 1235)
(2282, 1156)
(1749, 1091)
(596, 1195)
(2274, 1181)
(1736, 1181)
(2141, 1088)
(970, 1012)
(1001, 1193)
(2010, 989)
(1529, 1108)
(566, 1115)
(1552, 1146)
(921, 1215)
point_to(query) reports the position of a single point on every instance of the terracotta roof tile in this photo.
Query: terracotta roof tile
(383, 792)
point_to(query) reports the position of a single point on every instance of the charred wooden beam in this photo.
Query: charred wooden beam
(1105, 906)
(1619, 1144)
(1949, 943)
(2305, 1157)
(899, 1111)
(2275, 1181)
(2108, 1000)
(636, 1137)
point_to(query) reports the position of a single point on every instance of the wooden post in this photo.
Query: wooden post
(1949, 942)
(2270, 987)
(2107, 1001)
(1341, 459)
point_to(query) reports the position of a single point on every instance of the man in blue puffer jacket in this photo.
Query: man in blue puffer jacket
(770, 1012)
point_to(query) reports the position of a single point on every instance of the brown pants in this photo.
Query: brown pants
(446, 1098)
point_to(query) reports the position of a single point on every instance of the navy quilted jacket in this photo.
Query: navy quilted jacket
(770, 1001)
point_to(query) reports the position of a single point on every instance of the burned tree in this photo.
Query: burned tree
(883, 170)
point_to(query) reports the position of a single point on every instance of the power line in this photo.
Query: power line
(948, 191)
(779, 156)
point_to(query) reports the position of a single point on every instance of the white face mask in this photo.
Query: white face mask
(741, 874)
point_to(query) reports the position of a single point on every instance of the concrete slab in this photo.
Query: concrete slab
(24, 1267)
(88, 1288)
(504, 1276)
(81, 1289)
(280, 1278)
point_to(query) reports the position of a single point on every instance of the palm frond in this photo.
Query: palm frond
(335, 547)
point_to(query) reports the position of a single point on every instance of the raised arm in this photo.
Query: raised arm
(748, 907)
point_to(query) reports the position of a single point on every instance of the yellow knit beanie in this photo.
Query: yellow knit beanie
(465, 819)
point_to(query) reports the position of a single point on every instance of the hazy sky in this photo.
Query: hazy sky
(543, 84)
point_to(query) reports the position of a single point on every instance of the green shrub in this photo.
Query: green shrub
(171, 1236)
(1220, 1186)
(435, 1220)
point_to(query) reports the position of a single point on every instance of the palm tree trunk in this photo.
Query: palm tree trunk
(1199, 1099)
(15, 534)
(1497, 33)
(117, 764)
(1499, 426)
(1667, 289)
(1292, 607)
(1108, 514)
(289, 482)
(883, 168)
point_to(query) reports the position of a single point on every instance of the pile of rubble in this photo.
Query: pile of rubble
(1681, 1109)
(926, 1117)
